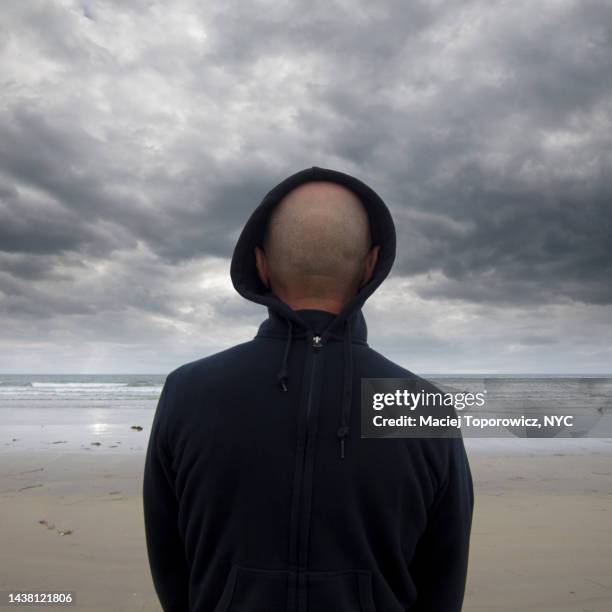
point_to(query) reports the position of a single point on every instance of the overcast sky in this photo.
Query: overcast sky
(137, 136)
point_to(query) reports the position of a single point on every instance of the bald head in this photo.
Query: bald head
(317, 246)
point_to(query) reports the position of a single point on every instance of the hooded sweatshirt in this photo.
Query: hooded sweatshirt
(259, 493)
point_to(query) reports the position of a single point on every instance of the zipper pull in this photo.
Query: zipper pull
(342, 433)
(317, 342)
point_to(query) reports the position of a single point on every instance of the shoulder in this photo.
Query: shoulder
(440, 452)
(211, 367)
(197, 379)
(376, 365)
(193, 389)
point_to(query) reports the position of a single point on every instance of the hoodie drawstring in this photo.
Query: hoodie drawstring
(347, 393)
(283, 373)
(347, 388)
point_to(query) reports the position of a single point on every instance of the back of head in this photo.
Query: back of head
(316, 243)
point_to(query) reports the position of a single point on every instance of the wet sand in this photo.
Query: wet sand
(542, 534)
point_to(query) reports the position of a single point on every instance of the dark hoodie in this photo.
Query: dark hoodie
(259, 493)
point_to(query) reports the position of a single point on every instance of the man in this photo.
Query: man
(259, 494)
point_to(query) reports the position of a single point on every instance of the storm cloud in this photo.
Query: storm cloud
(136, 137)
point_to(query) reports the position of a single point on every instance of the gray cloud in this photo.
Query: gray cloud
(135, 139)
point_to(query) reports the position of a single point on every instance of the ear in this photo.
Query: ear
(262, 266)
(370, 264)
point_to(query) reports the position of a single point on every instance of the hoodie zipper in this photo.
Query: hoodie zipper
(316, 344)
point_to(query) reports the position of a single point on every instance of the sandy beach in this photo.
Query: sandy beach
(542, 534)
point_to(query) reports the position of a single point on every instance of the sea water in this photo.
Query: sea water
(104, 413)
(94, 413)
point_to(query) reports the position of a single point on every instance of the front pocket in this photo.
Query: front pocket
(254, 590)
(344, 591)
(250, 589)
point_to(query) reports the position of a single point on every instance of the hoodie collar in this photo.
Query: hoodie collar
(310, 320)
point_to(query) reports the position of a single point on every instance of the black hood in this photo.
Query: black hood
(243, 269)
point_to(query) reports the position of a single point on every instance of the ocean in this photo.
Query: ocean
(77, 412)
(113, 413)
